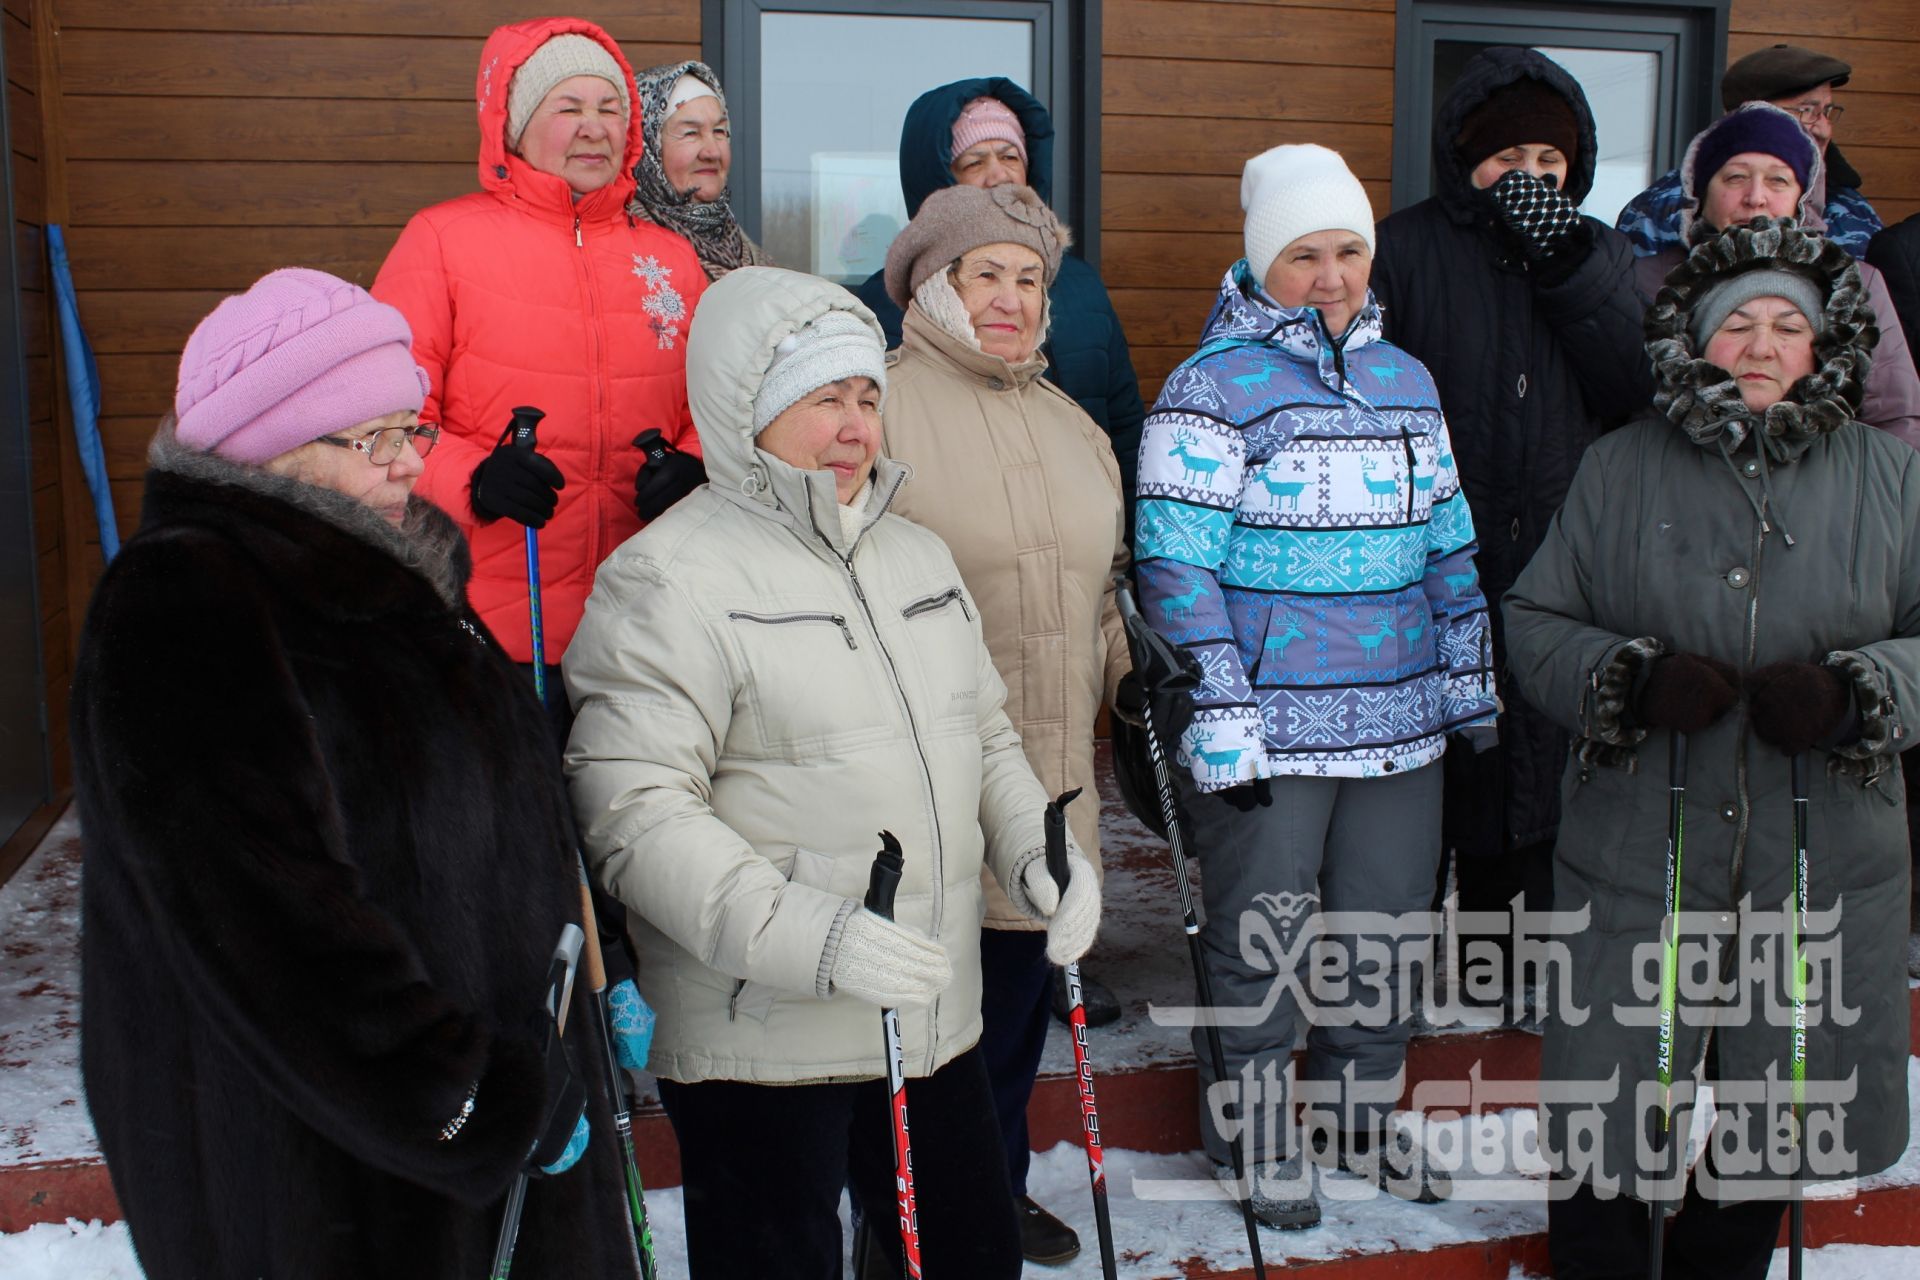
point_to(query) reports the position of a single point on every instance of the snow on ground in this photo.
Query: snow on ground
(76, 1251)
(41, 1116)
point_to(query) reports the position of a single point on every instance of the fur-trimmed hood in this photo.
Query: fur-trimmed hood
(1702, 399)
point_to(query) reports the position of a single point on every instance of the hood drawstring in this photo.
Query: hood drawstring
(1764, 503)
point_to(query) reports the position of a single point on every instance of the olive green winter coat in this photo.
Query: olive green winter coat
(1663, 547)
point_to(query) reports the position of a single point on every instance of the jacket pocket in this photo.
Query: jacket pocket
(783, 619)
(939, 600)
(755, 1000)
(806, 682)
(942, 649)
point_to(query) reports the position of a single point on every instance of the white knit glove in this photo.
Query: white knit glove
(1073, 917)
(881, 962)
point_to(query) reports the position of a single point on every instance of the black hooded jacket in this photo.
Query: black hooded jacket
(1086, 350)
(1532, 365)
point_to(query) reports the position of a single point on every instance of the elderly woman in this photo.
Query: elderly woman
(1497, 283)
(776, 670)
(1302, 533)
(313, 969)
(1758, 161)
(1024, 489)
(681, 180)
(540, 290)
(1737, 571)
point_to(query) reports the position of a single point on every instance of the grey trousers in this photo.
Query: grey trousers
(1323, 845)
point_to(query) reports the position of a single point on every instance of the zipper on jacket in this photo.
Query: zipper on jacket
(596, 401)
(951, 595)
(775, 619)
(1740, 746)
(933, 801)
(1406, 442)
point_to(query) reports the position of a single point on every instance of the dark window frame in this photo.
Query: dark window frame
(1067, 45)
(1694, 32)
(26, 767)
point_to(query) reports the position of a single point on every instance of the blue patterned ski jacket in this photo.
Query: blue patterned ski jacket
(1302, 531)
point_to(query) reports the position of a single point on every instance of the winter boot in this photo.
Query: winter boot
(1102, 1006)
(1391, 1161)
(1044, 1238)
(1281, 1192)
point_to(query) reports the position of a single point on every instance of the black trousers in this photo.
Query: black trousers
(1594, 1239)
(1015, 1005)
(762, 1167)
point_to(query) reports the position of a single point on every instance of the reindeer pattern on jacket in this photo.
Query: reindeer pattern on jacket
(1301, 529)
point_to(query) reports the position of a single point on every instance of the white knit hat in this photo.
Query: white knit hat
(836, 346)
(1296, 190)
(561, 58)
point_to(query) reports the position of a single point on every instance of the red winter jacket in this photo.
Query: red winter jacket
(520, 294)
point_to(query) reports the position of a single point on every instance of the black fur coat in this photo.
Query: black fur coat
(327, 859)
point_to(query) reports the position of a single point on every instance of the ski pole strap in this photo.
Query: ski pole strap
(1162, 668)
(885, 879)
(1056, 827)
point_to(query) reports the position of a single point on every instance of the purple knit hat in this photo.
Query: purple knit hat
(300, 355)
(1759, 127)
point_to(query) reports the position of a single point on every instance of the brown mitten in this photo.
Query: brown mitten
(1686, 692)
(1796, 706)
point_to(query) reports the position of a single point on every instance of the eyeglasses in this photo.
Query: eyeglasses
(1811, 111)
(384, 446)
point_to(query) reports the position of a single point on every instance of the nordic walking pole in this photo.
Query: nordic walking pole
(1056, 827)
(1796, 929)
(1669, 985)
(526, 420)
(559, 994)
(887, 865)
(1160, 669)
(616, 1087)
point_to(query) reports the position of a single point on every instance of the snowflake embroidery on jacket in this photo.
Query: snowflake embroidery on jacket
(664, 306)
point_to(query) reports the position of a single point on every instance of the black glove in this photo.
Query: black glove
(1796, 706)
(516, 483)
(667, 476)
(1248, 794)
(1686, 692)
(566, 1103)
(1540, 216)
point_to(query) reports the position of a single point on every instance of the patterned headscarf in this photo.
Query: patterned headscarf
(710, 227)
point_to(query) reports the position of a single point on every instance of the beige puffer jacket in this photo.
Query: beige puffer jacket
(756, 698)
(1025, 491)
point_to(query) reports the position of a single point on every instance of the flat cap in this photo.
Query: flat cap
(1779, 72)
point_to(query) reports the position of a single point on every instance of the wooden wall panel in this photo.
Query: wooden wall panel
(1191, 89)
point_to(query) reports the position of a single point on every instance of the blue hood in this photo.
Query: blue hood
(926, 136)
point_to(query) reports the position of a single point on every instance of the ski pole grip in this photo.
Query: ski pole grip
(560, 970)
(526, 421)
(1056, 828)
(653, 444)
(887, 866)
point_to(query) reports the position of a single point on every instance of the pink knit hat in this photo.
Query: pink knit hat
(300, 355)
(986, 119)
